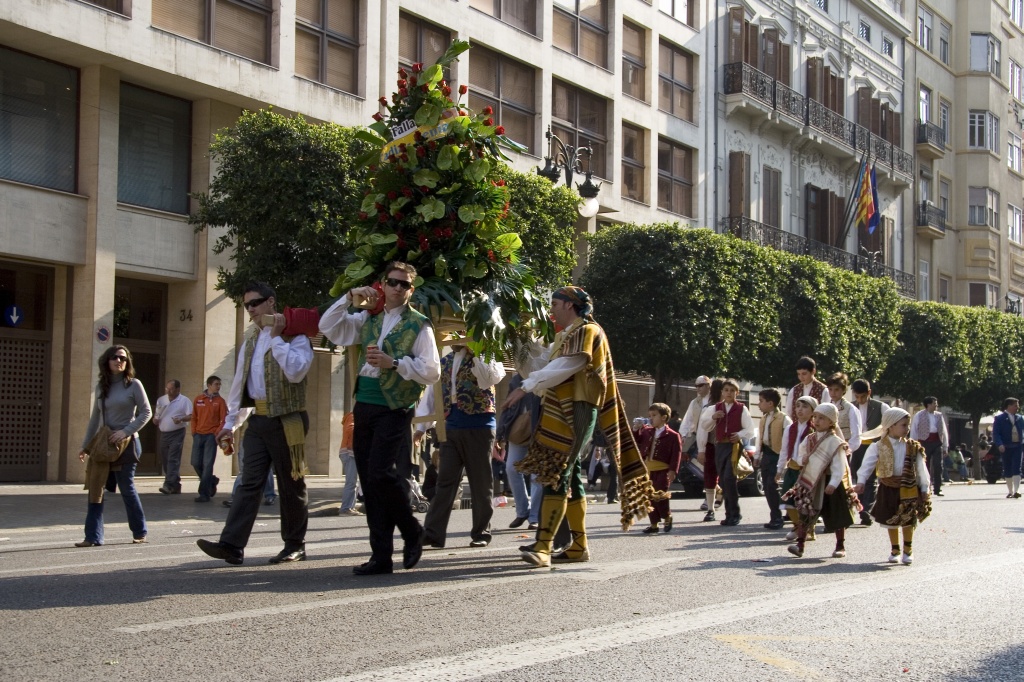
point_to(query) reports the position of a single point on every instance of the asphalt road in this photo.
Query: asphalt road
(702, 603)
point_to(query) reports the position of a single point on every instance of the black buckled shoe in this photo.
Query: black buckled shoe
(413, 551)
(286, 556)
(218, 550)
(373, 567)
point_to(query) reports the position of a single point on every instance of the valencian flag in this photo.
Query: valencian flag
(868, 213)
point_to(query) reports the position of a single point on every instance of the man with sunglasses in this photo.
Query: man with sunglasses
(397, 358)
(270, 378)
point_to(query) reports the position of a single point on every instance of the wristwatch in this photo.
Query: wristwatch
(394, 363)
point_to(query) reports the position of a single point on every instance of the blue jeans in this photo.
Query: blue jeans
(204, 454)
(125, 479)
(517, 481)
(348, 493)
(268, 489)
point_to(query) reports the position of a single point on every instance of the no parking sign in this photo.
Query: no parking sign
(102, 334)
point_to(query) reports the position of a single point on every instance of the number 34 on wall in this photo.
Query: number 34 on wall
(185, 316)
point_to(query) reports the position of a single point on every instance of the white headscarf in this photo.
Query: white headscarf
(892, 415)
(829, 411)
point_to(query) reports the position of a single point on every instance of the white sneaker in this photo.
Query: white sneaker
(894, 558)
(791, 535)
(908, 559)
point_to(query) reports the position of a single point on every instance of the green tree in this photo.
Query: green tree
(285, 190)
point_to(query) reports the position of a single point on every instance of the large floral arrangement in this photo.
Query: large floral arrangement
(435, 200)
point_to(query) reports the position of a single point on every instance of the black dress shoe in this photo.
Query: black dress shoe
(286, 556)
(517, 521)
(480, 542)
(774, 525)
(412, 552)
(667, 528)
(429, 541)
(218, 550)
(373, 567)
(732, 521)
(938, 494)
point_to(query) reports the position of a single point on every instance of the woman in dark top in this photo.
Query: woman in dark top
(121, 403)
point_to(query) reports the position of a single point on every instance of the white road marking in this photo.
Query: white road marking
(516, 655)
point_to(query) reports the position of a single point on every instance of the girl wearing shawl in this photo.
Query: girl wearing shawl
(902, 500)
(823, 487)
(789, 465)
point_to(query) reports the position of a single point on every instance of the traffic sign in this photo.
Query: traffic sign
(102, 334)
(14, 316)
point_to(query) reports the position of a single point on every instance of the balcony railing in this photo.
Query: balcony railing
(766, 235)
(742, 78)
(929, 133)
(931, 215)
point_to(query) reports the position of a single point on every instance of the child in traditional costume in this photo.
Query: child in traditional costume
(662, 451)
(824, 487)
(706, 449)
(902, 500)
(789, 465)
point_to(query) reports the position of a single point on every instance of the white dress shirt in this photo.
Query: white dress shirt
(167, 409)
(855, 423)
(863, 409)
(708, 422)
(295, 357)
(800, 391)
(899, 451)
(487, 374)
(343, 328)
(692, 416)
(541, 372)
(786, 453)
(926, 423)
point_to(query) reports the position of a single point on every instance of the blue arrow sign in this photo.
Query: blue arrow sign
(13, 315)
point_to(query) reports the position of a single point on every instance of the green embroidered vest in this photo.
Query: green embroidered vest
(283, 397)
(398, 392)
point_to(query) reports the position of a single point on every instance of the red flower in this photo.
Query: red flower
(424, 244)
(432, 145)
(463, 89)
(392, 195)
(489, 122)
(500, 130)
(407, 191)
(378, 117)
(383, 101)
(488, 111)
(421, 152)
(401, 243)
(403, 92)
(399, 215)
(412, 80)
(363, 215)
(379, 207)
(438, 232)
(405, 157)
(401, 147)
(448, 232)
(462, 112)
(425, 88)
(417, 67)
(417, 136)
(500, 183)
(401, 83)
(373, 169)
(490, 254)
(446, 91)
(383, 217)
(424, 189)
(402, 73)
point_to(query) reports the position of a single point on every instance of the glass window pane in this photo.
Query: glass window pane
(307, 55)
(665, 59)
(665, 193)
(563, 102)
(435, 43)
(564, 28)
(682, 198)
(681, 163)
(184, 17)
(38, 121)
(408, 40)
(592, 114)
(598, 161)
(633, 80)
(633, 182)
(342, 17)
(477, 102)
(593, 11)
(593, 46)
(633, 41)
(681, 68)
(486, 6)
(520, 13)
(341, 67)
(518, 126)
(664, 157)
(483, 71)
(517, 84)
(665, 89)
(240, 30)
(308, 10)
(684, 104)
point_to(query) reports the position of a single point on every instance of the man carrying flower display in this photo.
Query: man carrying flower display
(576, 379)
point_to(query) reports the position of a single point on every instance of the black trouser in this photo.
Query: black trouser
(933, 457)
(769, 470)
(264, 446)
(466, 450)
(727, 480)
(382, 445)
(867, 498)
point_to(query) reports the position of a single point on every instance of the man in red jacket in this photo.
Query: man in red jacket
(662, 450)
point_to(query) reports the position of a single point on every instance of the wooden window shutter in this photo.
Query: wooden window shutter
(864, 107)
(826, 87)
(739, 185)
(771, 52)
(771, 200)
(736, 42)
(841, 97)
(753, 38)
(184, 17)
(897, 129)
(835, 215)
(811, 210)
(876, 116)
(785, 64)
(814, 67)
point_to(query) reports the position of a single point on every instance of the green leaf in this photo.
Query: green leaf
(431, 75)
(358, 270)
(452, 53)
(370, 137)
(441, 266)
(474, 268)
(477, 170)
(454, 187)
(426, 178)
(508, 243)
(431, 209)
(448, 157)
(380, 127)
(370, 201)
(377, 238)
(471, 213)
(397, 204)
(428, 114)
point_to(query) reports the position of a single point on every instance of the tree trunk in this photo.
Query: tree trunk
(661, 383)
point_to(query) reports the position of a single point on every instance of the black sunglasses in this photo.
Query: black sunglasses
(255, 303)
(392, 282)
(119, 358)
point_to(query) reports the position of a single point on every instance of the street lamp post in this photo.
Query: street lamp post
(568, 159)
(1013, 305)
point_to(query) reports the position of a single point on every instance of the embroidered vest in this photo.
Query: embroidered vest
(775, 429)
(731, 423)
(817, 391)
(398, 392)
(844, 408)
(793, 441)
(283, 397)
(469, 397)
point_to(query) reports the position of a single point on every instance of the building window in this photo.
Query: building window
(771, 206)
(864, 31)
(634, 163)
(943, 289)
(326, 42)
(983, 206)
(153, 150)
(580, 118)
(634, 67)
(822, 5)
(238, 26)
(112, 5)
(675, 81)
(887, 47)
(675, 177)
(944, 42)
(508, 87)
(683, 10)
(1013, 153)
(1016, 80)
(38, 121)
(944, 122)
(581, 28)
(924, 29)
(521, 14)
(985, 53)
(1017, 12)
(983, 130)
(982, 294)
(1015, 220)
(944, 200)
(924, 285)
(420, 42)
(924, 105)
